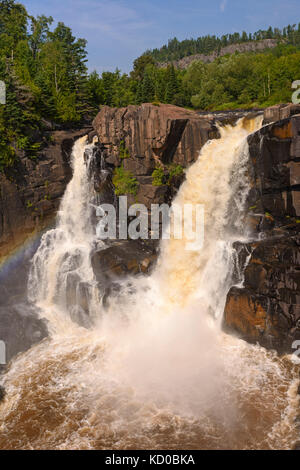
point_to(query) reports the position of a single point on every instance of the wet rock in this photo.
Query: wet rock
(267, 308)
(2, 393)
(20, 328)
(124, 258)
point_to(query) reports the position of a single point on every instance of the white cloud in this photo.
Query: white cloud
(223, 5)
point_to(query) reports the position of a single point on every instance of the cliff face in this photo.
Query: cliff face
(267, 308)
(256, 46)
(153, 136)
(30, 193)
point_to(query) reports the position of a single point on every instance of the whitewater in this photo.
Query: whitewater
(153, 369)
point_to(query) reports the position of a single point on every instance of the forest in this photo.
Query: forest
(176, 50)
(48, 83)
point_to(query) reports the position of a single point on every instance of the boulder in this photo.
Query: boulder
(123, 258)
(267, 308)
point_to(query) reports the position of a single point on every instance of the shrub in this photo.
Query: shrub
(124, 182)
(175, 170)
(158, 177)
(123, 151)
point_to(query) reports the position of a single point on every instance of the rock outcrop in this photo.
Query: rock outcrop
(151, 136)
(123, 258)
(267, 308)
(30, 192)
(253, 46)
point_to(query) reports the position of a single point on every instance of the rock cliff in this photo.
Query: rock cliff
(267, 308)
(30, 192)
(152, 136)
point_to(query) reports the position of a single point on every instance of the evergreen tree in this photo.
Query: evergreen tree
(171, 88)
(148, 89)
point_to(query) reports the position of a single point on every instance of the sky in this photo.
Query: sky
(119, 31)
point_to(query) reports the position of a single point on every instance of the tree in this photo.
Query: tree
(140, 65)
(172, 87)
(148, 89)
(39, 33)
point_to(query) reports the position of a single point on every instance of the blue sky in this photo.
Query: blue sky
(118, 31)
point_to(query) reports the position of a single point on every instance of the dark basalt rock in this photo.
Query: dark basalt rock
(153, 136)
(267, 308)
(2, 393)
(123, 258)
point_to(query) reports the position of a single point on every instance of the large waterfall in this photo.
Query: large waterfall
(153, 370)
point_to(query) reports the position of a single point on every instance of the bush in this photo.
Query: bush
(123, 151)
(158, 177)
(175, 170)
(124, 182)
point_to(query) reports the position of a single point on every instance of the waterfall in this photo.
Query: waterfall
(154, 370)
(61, 278)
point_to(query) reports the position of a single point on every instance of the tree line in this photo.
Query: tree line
(45, 72)
(176, 49)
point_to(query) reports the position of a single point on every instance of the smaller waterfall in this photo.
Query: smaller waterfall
(61, 278)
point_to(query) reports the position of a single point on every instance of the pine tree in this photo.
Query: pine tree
(148, 90)
(139, 93)
(172, 86)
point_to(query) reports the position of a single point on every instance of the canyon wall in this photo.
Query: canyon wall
(30, 192)
(267, 308)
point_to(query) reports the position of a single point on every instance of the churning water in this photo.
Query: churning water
(153, 370)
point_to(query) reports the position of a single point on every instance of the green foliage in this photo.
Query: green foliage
(158, 177)
(124, 182)
(175, 170)
(44, 68)
(176, 50)
(45, 75)
(140, 65)
(123, 151)
(243, 80)
(161, 177)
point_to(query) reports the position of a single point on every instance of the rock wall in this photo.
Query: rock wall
(153, 136)
(267, 309)
(30, 193)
